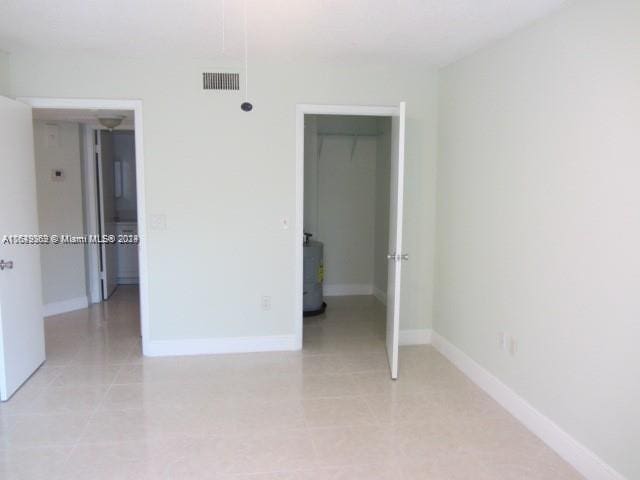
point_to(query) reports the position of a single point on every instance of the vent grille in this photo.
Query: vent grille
(220, 81)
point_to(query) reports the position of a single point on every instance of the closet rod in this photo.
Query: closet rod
(349, 134)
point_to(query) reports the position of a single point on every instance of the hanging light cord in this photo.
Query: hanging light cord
(246, 105)
(223, 25)
(246, 55)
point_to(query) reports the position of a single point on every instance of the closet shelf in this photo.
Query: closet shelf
(353, 145)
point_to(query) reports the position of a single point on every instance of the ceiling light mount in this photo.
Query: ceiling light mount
(111, 122)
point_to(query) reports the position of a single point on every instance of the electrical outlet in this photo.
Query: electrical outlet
(265, 303)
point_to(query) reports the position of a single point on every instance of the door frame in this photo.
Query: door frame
(136, 107)
(91, 211)
(303, 109)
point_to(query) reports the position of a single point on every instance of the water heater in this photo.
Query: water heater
(313, 273)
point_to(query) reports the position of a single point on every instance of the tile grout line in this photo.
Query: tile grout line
(91, 416)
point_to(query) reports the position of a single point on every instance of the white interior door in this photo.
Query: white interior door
(106, 175)
(395, 255)
(22, 348)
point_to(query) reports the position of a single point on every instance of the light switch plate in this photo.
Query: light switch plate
(158, 221)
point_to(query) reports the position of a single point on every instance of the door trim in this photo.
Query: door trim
(303, 109)
(91, 209)
(136, 106)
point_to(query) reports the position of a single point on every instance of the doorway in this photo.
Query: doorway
(22, 321)
(112, 168)
(113, 106)
(342, 202)
(86, 189)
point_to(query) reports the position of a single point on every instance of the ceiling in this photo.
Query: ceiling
(431, 31)
(88, 117)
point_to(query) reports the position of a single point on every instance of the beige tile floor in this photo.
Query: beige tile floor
(98, 410)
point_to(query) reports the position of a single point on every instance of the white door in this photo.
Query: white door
(395, 256)
(106, 175)
(21, 321)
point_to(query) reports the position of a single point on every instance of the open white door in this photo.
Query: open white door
(22, 348)
(395, 255)
(106, 189)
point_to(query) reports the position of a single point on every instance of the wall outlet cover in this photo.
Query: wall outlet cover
(265, 303)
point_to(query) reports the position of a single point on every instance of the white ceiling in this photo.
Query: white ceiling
(88, 117)
(430, 31)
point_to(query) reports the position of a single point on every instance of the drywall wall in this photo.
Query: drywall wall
(381, 233)
(124, 151)
(57, 147)
(346, 210)
(310, 214)
(5, 76)
(225, 179)
(539, 223)
(341, 204)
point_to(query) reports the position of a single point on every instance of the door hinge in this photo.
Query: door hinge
(8, 264)
(397, 257)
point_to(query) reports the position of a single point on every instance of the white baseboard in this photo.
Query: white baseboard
(582, 459)
(209, 346)
(339, 290)
(380, 295)
(415, 337)
(64, 306)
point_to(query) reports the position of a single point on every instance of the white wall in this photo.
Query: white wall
(57, 146)
(5, 75)
(124, 151)
(341, 202)
(539, 219)
(310, 174)
(346, 210)
(381, 233)
(225, 179)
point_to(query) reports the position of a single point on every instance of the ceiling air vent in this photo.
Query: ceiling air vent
(220, 81)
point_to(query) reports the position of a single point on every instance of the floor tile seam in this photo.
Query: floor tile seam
(91, 416)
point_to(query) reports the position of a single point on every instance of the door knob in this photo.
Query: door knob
(8, 265)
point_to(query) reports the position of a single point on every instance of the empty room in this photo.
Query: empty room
(320, 240)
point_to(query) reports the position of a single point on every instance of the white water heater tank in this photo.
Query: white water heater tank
(313, 273)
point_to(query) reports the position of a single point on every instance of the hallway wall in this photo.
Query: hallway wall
(60, 211)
